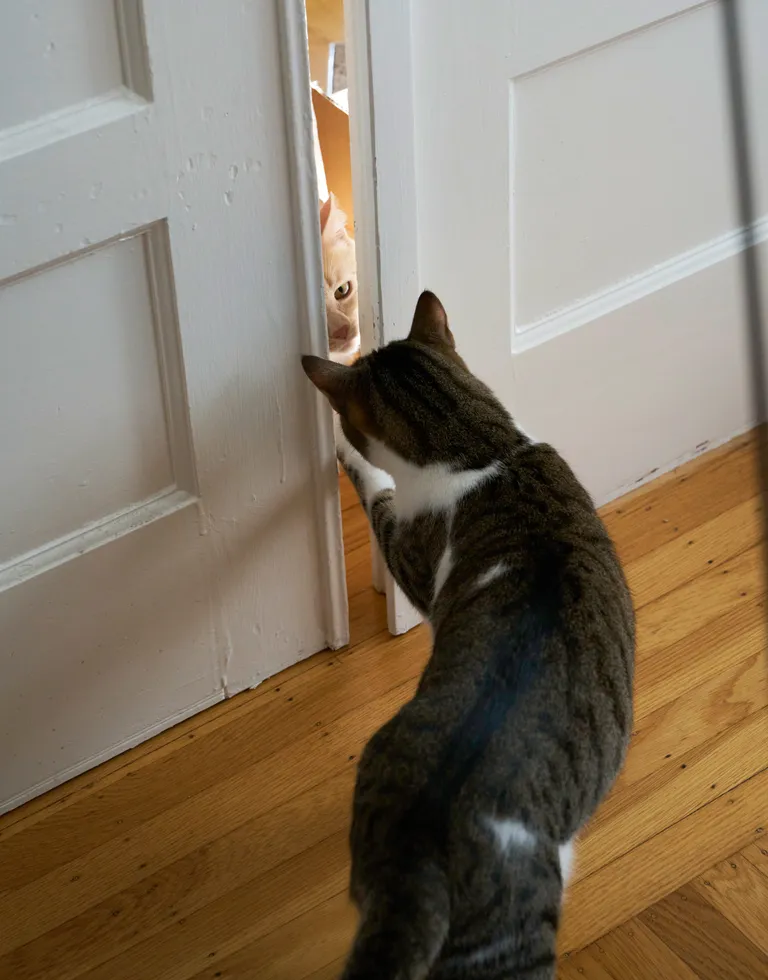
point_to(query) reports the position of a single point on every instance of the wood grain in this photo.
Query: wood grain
(737, 889)
(689, 554)
(620, 890)
(583, 966)
(634, 951)
(220, 846)
(702, 938)
(674, 729)
(684, 499)
(757, 855)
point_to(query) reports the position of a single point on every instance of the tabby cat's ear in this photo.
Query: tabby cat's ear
(332, 379)
(430, 322)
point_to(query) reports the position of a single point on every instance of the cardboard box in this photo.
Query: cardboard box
(332, 133)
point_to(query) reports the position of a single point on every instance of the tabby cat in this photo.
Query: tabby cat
(468, 800)
(340, 274)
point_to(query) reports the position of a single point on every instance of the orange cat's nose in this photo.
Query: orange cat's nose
(341, 332)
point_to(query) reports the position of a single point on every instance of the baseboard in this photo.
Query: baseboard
(123, 746)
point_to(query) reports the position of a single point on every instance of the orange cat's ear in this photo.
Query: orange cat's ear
(332, 379)
(430, 322)
(333, 221)
(325, 211)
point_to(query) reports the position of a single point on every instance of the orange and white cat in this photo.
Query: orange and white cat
(340, 273)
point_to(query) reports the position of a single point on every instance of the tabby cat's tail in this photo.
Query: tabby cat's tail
(402, 927)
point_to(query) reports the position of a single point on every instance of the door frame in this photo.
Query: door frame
(379, 60)
(297, 106)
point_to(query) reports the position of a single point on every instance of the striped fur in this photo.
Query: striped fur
(467, 801)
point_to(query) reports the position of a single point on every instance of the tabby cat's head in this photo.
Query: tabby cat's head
(414, 397)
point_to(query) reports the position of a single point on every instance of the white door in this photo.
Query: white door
(576, 214)
(160, 536)
(560, 174)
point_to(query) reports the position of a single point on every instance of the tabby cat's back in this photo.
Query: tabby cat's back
(468, 801)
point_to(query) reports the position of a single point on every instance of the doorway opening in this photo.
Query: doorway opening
(328, 42)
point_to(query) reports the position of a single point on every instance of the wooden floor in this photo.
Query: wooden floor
(219, 848)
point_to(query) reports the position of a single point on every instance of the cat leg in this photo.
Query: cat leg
(506, 925)
(376, 490)
(370, 482)
(403, 926)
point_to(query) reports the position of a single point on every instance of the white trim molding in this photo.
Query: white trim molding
(331, 577)
(627, 291)
(380, 72)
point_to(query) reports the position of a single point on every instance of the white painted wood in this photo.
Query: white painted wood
(64, 474)
(575, 206)
(168, 522)
(626, 291)
(305, 155)
(74, 48)
(384, 187)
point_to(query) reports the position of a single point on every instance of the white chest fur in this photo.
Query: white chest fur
(426, 489)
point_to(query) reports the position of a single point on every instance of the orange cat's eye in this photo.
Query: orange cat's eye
(343, 290)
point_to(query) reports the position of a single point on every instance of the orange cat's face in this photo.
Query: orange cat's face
(340, 272)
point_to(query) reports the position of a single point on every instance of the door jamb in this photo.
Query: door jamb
(297, 101)
(380, 78)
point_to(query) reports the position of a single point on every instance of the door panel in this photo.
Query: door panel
(576, 214)
(159, 537)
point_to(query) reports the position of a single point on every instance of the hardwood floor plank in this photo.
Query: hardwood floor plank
(348, 493)
(704, 938)
(701, 655)
(331, 971)
(739, 892)
(689, 555)
(299, 766)
(367, 617)
(618, 891)
(682, 500)
(757, 855)
(356, 529)
(306, 944)
(634, 952)
(700, 602)
(186, 946)
(584, 966)
(675, 729)
(135, 881)
(289, 713)
(638, 812)
(221, 846)
(359, 564)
